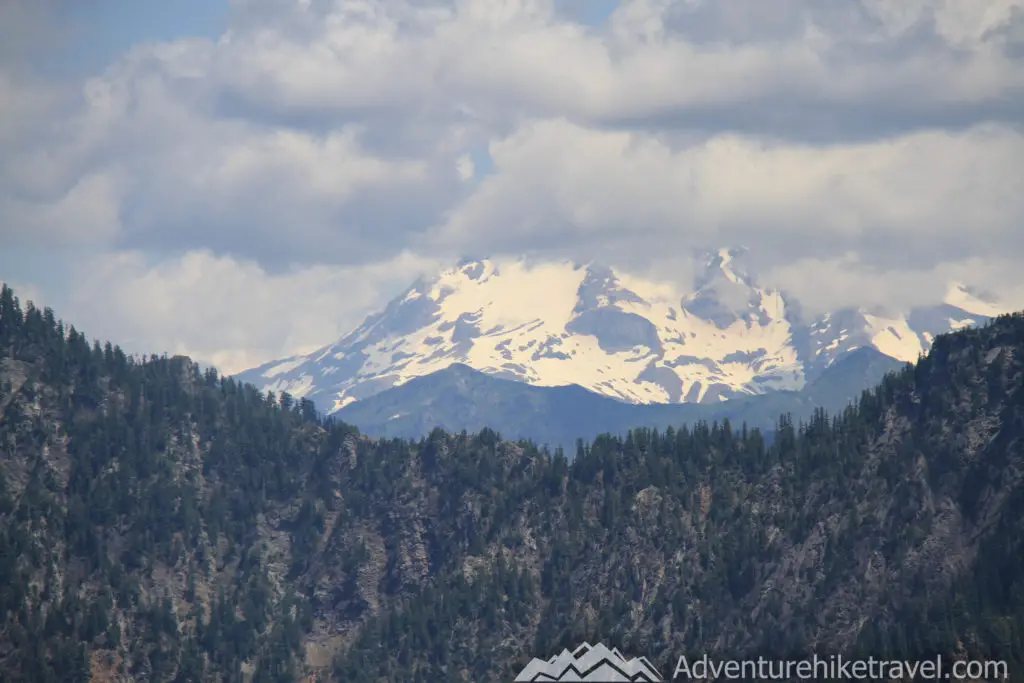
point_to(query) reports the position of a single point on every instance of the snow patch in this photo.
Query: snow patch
(515, 317)
(960, 296)
(284, 366)
(894, 338)
(297, 387)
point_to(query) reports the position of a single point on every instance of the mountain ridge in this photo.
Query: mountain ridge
(548, 323)
(461, 398)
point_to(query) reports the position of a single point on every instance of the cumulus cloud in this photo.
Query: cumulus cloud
(152, 169)
(226, 311)
(826, 284)
(335, 143)
(946, 194)
(655, 59)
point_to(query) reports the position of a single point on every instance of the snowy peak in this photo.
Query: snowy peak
(728, 264)
(601, 288)
(553, 323)
(726, 293)
(903, 336)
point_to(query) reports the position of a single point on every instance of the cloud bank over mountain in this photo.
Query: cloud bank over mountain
(267, 187)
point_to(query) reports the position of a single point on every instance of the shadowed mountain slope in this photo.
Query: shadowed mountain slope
(460, 398)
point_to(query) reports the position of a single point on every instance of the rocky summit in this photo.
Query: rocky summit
(637, 341)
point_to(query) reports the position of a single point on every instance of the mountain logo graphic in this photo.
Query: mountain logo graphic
(594, 663)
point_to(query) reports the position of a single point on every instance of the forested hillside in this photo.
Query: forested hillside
(162, 524)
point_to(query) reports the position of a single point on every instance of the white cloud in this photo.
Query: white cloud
(87, 211)
(464, 167)
(225, 311)
(655, 59)
(145, 166)
(314, 138)
(826, 284)
(943, 194)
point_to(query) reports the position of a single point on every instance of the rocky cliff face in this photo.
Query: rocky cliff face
(157, 523)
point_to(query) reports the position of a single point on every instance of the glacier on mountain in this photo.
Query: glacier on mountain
(559, 323)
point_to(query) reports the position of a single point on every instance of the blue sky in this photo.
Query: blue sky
(102, 30)
(244, 200)
(591, 11)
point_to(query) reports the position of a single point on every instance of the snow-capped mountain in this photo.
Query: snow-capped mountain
(560, 323)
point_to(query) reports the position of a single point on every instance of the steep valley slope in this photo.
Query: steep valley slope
(159, 523)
